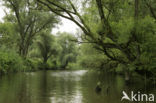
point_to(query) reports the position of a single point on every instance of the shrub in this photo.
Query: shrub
(10, 62)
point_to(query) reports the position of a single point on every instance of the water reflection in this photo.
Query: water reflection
(63, 87)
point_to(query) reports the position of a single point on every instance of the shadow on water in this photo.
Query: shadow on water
(65, 87)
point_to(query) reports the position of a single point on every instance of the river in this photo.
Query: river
(67, 86)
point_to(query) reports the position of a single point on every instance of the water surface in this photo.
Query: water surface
(65, 87)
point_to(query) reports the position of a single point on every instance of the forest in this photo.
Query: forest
(114, 36)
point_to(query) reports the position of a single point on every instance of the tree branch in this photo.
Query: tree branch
(81, 19)
(67, 17)
(151, 9)
(65, 10)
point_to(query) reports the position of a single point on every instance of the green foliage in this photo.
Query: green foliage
(10, 62)
(90, 58)
(121, 34)
(8, 35)
(123, 29)
(46, 46)
(133, 34)
(31, 64)
(75, 66)
(28, 22)
(68, 50)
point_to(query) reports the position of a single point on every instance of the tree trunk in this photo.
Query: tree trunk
(23, 49)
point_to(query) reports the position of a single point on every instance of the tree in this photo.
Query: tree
(91, 58)
(68, 52)
(46, 46)
(8, 36)
(28, 21)
(113, 27)
(151, 4)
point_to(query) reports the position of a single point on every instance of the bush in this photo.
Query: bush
(74, 66)
(31, 64)
(10, 62)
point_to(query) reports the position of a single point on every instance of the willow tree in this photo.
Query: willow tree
(120, 29)
(47, 47)
(28, 21)
(68, 51)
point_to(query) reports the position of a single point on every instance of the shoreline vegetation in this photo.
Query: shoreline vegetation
(114, 37)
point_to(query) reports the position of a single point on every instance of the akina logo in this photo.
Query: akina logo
(137, 97)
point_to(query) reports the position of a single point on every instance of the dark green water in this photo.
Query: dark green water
(65, 87)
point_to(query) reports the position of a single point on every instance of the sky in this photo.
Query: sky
(2, 14)
(65, 26)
